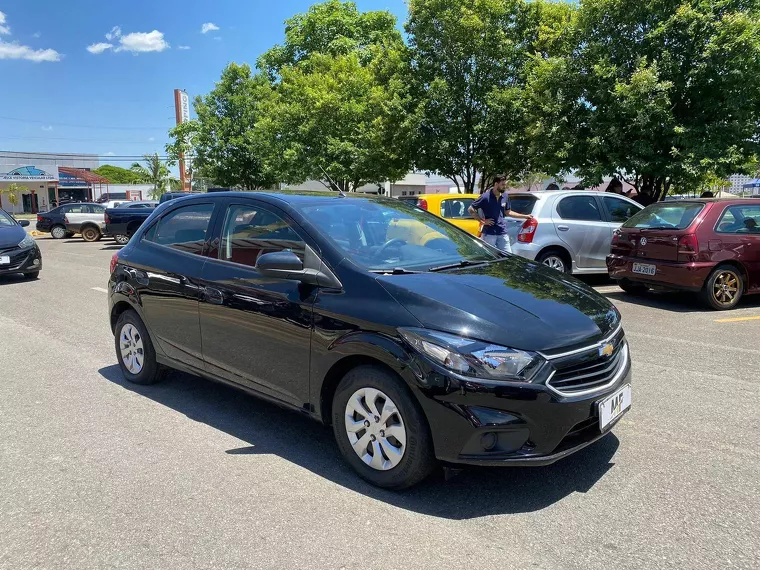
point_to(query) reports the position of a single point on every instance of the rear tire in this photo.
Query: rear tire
(134, 350)
(121, 239)
(554, 259)
(724, 288)
(632, 288)
(374, 389)
(90, 234)
(58, 232)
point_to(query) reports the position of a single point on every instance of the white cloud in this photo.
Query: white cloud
(151, 139)
(36, 35)
(114, 33)
(99, 47)
(109, 153)
(183, 47)
(16, 51)
(208, 27)
(47, 128)
(141, 42)
(3, 28)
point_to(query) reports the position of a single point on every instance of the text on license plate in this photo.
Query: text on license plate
(5, 260)
(644, 268)
(614, 406)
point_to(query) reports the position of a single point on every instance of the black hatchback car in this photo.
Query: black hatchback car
(416, 341)
(19, 252)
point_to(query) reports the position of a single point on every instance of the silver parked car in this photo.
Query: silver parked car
(571, 230)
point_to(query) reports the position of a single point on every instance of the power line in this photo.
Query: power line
(39, 122)
(112, 141)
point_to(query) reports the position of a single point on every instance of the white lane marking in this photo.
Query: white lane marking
(99, 289)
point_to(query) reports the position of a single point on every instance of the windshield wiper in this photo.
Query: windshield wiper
(394, 271)
(463, 263)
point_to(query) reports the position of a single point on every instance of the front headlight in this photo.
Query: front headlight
(28, 241)
(475, 358)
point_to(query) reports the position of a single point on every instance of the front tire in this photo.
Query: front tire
(134, 350)
(724, 288)
(121, 239)
(58, 232)
(381, 430)
(90, 234)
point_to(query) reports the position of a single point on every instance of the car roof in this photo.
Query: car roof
(299, 198)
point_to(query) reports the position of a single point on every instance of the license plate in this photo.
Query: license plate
(5, 260)
(644, 268)
(612, 407)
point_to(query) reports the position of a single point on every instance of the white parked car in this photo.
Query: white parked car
(571, 231)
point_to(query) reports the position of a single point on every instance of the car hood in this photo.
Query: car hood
(11, 236)
(514, 302)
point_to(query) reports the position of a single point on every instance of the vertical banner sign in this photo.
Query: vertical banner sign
(182, 112)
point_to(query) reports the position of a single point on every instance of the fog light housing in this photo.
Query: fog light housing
(489, 440)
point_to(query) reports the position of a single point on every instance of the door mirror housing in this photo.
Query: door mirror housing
(287, 265)
(23, 223)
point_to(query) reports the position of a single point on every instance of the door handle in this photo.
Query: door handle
(563, 228)
(213, 296)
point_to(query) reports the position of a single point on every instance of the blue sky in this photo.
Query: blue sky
(58, 96)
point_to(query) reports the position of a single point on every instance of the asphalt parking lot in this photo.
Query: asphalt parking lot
(95, 473)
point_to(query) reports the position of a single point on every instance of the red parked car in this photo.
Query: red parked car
(709, 246)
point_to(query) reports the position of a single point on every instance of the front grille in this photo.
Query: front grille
(588, 370)
(18, 257)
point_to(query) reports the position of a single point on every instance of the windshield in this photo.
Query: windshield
(6, 220)
(665, 216)
(388, 235)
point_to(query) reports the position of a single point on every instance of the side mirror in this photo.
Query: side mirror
(287, 265)
(278, 262)
(23, 223)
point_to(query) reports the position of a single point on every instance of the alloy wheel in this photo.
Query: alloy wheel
(132, 350)
(375, 429)
(555, 262)
(58, 232)
(726, 287)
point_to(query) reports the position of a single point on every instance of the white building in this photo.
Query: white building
(413, 184)
(737, 182)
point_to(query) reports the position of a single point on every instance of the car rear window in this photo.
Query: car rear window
(666, 216)
(522, 204)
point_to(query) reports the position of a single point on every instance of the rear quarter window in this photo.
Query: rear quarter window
(522, 204)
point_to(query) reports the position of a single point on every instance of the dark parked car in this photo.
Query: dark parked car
(710, 246)
(19, 252)
(174, 195)
(123, 221)
(414, 339)
(54, 222)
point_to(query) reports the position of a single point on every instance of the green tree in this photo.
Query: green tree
(223, 141)
(12, 192)
(468, 66)
(155, 172)
(118, 175)
(340, 93)
(659, 93)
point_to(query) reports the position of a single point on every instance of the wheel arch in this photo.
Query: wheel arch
(736, 265)
(561, 250)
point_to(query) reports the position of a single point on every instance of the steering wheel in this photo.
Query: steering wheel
(387, 245)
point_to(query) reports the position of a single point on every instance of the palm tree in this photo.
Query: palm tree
(155, 172)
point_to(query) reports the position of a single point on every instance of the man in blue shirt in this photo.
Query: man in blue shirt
(494, 205)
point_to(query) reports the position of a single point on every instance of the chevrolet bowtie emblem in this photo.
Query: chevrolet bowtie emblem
(606, 349)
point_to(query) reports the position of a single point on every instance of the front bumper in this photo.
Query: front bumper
(670, 275)
(22, 260)
(491, 424)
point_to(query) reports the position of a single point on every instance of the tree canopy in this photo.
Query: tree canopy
(118, 175)
(660, 93)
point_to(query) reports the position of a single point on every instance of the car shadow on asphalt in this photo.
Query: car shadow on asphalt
(14, 278)
(268, 429)
(111, 247)
(677, 302)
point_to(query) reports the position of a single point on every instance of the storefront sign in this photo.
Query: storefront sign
(70, 180)
(30, 174)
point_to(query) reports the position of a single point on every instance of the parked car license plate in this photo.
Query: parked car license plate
(644, 268)
(5, 260)
(612, 407)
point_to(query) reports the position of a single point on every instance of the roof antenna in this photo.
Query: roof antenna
(341, 193)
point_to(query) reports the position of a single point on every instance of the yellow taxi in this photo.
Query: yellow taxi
(452, 208)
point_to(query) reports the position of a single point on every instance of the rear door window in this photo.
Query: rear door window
(582, 208)
(184, 229)
(740, 220)
(456, 208)
(665, 216)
